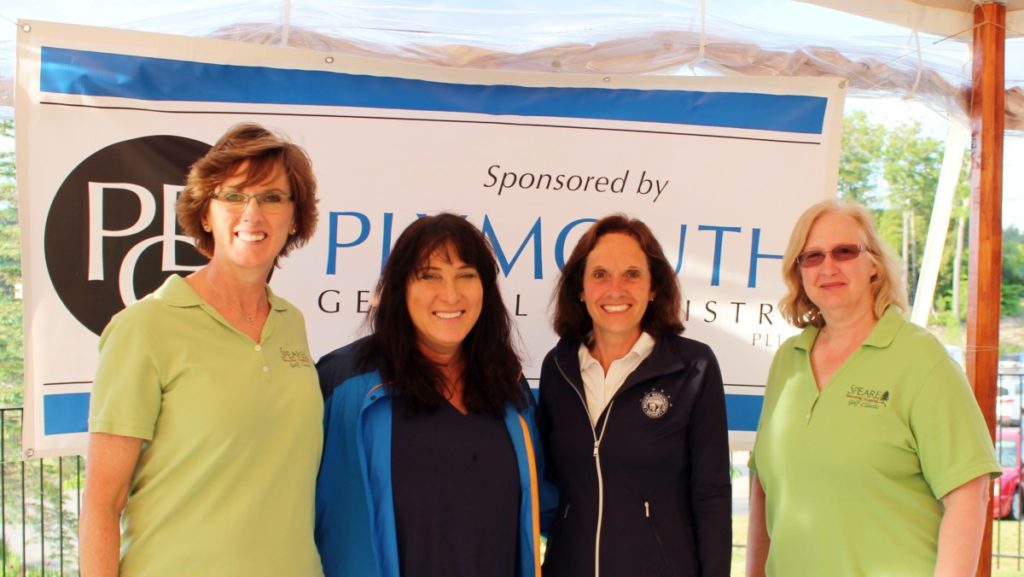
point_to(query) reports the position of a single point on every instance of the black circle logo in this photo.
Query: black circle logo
(112, 234)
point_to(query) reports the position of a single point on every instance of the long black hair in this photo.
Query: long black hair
(492, 370)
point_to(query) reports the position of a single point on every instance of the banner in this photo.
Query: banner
(109, 121)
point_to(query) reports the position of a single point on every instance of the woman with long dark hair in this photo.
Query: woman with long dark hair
(428, 452)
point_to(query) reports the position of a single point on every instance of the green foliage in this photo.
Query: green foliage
(11, 349)
(859, 161)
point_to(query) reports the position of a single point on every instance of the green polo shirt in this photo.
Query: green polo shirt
(225, 481)
(853, 474)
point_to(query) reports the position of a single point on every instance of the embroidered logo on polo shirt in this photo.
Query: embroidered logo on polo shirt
(655, 403)
(865, 398)
(296, 359)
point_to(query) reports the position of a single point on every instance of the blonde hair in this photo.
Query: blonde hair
(886, 286)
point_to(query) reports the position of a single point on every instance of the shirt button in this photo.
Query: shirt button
(266, 369)
(259, 348)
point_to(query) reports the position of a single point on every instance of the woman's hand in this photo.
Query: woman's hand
(110, 464)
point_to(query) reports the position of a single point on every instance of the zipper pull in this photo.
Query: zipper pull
(647, 509)
(597, 445)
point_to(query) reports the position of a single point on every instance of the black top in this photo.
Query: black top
(456, 491)
(663, 488)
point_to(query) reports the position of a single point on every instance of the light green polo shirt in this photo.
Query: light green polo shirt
(853, 475)
(225, 482)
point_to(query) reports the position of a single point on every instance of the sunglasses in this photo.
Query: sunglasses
(840, 253)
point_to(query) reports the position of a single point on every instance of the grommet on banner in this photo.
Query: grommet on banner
(329, 60)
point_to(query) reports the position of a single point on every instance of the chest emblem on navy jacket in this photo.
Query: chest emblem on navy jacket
(865, 398)
(655, 403)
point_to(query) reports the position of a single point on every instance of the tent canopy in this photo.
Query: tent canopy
(917, 49)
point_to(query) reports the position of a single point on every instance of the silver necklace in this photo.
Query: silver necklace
(250, 319)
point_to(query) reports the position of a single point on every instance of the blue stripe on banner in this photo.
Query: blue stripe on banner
(743, 411)
(65, 413)
(84, 72)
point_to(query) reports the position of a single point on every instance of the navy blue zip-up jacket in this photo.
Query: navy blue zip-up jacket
(646, 492)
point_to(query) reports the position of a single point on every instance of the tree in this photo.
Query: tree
(11, 349)
(860, 159)
(911, 168)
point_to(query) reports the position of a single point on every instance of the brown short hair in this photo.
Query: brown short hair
(662, 317)
(886, 286)
(264, 151)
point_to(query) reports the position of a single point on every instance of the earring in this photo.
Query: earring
(652, 299)
(293, 231)
(206, 227)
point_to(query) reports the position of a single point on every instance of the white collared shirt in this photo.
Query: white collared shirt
(599, 387)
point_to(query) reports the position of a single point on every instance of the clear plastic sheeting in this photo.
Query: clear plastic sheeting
(709, 37)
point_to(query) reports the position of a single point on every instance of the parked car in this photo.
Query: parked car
(1008, 399)
(1009, 496)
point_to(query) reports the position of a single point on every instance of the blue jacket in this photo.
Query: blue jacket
(355, 512)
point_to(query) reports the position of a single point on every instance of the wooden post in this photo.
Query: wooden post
(985, 272)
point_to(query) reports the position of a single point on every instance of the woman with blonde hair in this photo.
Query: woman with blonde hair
(872, 457)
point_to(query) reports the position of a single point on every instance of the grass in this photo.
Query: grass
(1007, 539)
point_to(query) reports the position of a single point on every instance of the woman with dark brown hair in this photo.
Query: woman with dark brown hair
(632, 419)
(204, 424)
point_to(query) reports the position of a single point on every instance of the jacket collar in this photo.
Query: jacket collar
(664, 359)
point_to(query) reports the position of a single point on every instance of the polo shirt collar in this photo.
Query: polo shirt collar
(176, 292)
(642, 348)
(881, 336)
(885, 331)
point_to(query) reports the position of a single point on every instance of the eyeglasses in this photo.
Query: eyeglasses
(269, 202)
(840, 253)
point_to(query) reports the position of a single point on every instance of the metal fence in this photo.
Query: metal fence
(39, 504)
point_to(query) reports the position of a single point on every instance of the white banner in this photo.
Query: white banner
(108, 122)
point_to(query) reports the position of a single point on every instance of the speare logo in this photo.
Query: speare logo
(863, 397)
(111, 234)
(296, 359)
